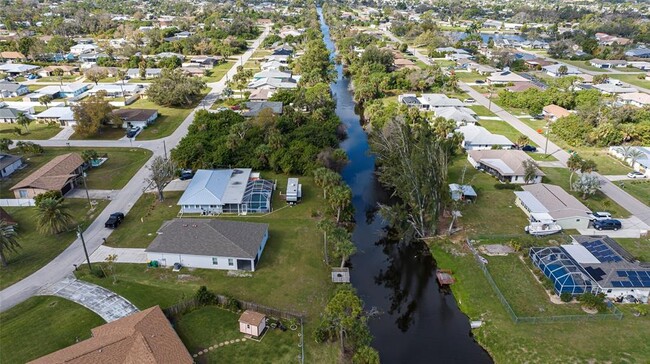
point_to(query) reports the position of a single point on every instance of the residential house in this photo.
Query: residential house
(12, 89)
(462, 116)
(62, 115)
(9, 56)
(260, 95)
(481, 69)
(67, 70)
(206, 61)
(462, 192)
(91, 58)
(59, 174)
(226, 191)
(132, 118)
(70, 90)
(194, 71)
(79, 49)
(401, 63)
(638, 99)
(17, 69)
(9, 115)
(478, 138)
(149, 73)
(9, 163)
(554, 70)
(537, 63)
(603, 63)
(505, 77)
(506, 165)
(640, 164)
(642, 65)
(433, 101)
(274, 83)
(272, 74)
(612, 89)
(522, 86)
(284, 59)
(253, 108)
(143, 337)
(638, 53)
(252, 323)
(117, 89)
(273, 66)
(541, 201)
(553, 112)
(608, 40)
(209, 244)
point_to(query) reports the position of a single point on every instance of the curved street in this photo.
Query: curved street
(94, 234)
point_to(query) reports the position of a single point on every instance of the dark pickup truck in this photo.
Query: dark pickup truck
(114, 220)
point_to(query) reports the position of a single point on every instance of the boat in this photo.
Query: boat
(542, 228)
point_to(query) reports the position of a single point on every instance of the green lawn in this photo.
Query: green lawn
(121, 165)
(262, 53)
(444, 63)
(217, 72)
(562, 342)
(638, 189)
(596, 202)
(145, 217)
(56, 79)
(639, 248)
(42, 325)
(107, 133)
(503, 128)
(36, 249)
(470, 76)
(37, 131)
(631, 79)
(584, 65)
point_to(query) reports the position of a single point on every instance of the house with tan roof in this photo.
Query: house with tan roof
(505, 77)
(144, 337)
(59, 174)
(67, 70)
(554, 112)
(553, 201)
(638, 99)
(506, 165)
(12, 56)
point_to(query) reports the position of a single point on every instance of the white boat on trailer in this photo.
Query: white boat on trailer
(542, 224)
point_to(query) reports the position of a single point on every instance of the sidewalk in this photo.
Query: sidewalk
(64, 134)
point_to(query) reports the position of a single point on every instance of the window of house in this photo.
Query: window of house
(23, 193)
(230, 261)
(215, 261)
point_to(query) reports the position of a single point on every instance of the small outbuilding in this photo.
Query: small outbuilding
(294, 190)
(252, 323)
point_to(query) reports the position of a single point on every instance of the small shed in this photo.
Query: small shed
(294, 190)
(462, 192)
(252, 323)
(341, 275)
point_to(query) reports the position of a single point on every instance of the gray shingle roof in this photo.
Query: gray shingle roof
(209, 237)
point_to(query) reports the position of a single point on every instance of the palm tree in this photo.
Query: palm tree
(634, 155)
(344, 245)
(522, 140)
(23, 120)
(57, 72)
(562, 70)
(121, 76)
(53, 216)
(340, 198)
(327, 227)
(8, 241)
(530, 171)
(573, 163)
(326, 179)
(45, 100)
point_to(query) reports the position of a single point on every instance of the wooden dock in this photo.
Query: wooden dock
(444, 277)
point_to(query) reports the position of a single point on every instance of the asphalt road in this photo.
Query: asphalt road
(62, 265)
(635, 207)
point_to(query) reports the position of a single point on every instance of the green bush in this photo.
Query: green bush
(231, 304)
(591, 300)
(98, 272)
(49, 194)
(507, 186)
(566, 297)
(205, 297)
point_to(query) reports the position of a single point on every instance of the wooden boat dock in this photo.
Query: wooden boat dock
(444, 277)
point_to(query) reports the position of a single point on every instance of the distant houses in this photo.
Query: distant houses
(641, 161)
(12, 89)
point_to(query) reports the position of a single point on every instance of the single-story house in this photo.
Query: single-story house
(603, 63)
(92, 58)
(12, 56)
(537, 63)
(253, 108)
(132, 118)
(638, 53)
(638, 99)
(117, 90)
(79, 49)
(206, 61)
(481, 69)
(433, 101)
(149, 72)
(274, 83)
(401, 63)
(9, 115)
(278, 58)
(554, 70)
(612, 89)
(17, 69)
(226, 191)
(169, 54)
(9, 163)
(273, 66)
(522, 86)
(63, 115)
(59, 174)
(640, 164)
(505, 77)
(506, 165)
(460, 115)
(642, 65)
(209, 244)
(58, 91)
(252, 323)
(462, 192)
(261, 94)
(478, 138)
(271, 74)
(541, 199)
(143, 337)
(554, 112)
(11, 89)
(67, 70)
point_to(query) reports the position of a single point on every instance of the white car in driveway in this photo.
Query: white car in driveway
(599, 215)
(635, 174)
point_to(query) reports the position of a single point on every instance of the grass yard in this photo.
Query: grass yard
(262, 53)
(632, 79)
(37, 131)
(37, 249)
(121, 165)
(584, 65)
(596, 202)
(639, 189)
(470, 77)
(445, 63)
(56, 79)
(561, 342)
(503, 128)
(42, 325)
(491, 206)
(107, 133)
(217, 72)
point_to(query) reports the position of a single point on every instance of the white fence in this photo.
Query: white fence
(16, 202)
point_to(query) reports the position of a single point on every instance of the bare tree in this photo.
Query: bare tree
(162, 171)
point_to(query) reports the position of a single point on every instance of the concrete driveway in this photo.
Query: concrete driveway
(124, 255)
(633, 227)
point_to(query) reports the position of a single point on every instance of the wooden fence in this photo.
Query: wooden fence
(191, 304)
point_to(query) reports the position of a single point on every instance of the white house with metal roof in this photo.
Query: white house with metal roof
(478, 138)
(220, 191)
(553, 201)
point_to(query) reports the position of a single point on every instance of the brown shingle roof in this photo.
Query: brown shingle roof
(134, 114)
(508, 162)
(54, 174)
(557, 111)
(252, 318)
(12, 55)
(144, 337)
(4, 215)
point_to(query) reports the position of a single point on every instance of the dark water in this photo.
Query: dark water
(417, 323)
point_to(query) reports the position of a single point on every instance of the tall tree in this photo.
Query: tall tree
(8, 241)
(344, 316)
(92, 114)
(161, 172)
(175, 88)
(45, 100)
(57, 72)
(95, 76)
(326, 226)
(340, 198)
(53, 216)
(24, 120)
(573, 163)
(587, 184)
(530, 170)
(326, 179)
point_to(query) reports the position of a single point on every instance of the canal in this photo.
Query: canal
(415, 322)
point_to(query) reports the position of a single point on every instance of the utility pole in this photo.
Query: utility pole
(165, 148)
(80, 235)
(548, 128)
(83, 176)
(490, 104)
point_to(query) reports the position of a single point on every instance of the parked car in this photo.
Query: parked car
(635, 174)
(528, 148)
(479, 82)
(132, 132)
(32, 77)
(114, 220)
(609, 224)
(186, 174)
(177, 267)
(469, 101)
(600, 215)
(538, 117)
(222, 109)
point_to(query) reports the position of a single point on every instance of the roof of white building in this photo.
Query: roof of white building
(216, 187)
